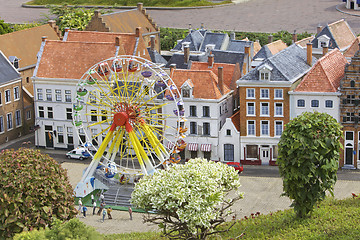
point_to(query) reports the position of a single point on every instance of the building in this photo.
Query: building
(206, 110)
(319, 89)
(126, 22)
(12, 114)
(264, 102)
(352, 4)
(267, 51)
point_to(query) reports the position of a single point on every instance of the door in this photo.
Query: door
(265, 155)
(229, 152)
(49, 137)
(349, 153)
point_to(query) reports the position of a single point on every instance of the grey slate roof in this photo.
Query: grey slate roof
(213, 38)
(288, 65)
(264, 53)
(7, 71)
(237, 45)
(195, 38)
(178, 59)
(325, 31)
(156, 57)
(228, 57)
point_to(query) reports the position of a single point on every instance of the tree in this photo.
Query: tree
(309, 151)
(34, 190)
(190, 200)
(4, 27)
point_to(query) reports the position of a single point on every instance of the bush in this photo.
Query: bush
(4, 27)
(73, 229)
(34, 189)
(190, 200)
(309, 151)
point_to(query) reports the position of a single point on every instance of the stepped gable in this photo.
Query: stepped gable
(325, 75)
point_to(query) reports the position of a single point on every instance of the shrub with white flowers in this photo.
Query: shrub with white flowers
(190, 200)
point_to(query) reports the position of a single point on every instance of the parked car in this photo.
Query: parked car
(236, 165)
(78, 153)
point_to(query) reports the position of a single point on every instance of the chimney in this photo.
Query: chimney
(318, 29)
(186, 54)
(152, 42)
(138, 32)
(43, 38)
(309, 53)
(202, 26)
(232, 35)
(52, 23)
(294, 37)
(247, 50)
(221, 79)
(189, 27)
(172, 68)
(325, 50)
(97, 13)
(67, 29)
(140, 7)
(270, 38)
(210, 60)
(117, 41)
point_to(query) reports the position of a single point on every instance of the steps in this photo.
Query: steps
(119, 196)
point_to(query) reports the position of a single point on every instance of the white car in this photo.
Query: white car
(78, 153)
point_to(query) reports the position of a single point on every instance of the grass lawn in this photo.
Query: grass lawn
(147, 3)
(332, 219)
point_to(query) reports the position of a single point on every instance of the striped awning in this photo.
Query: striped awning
(193, 146)
(205, 147)
(170, 145)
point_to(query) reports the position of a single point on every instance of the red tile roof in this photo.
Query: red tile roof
(70, 60)
(325, 75)
(228, 70)
(235, 118)
(205, 82)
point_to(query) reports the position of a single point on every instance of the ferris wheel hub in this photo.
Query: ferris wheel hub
(120, 118)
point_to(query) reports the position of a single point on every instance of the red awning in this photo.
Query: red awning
(170, 145)
(193, 146)
(205, 147)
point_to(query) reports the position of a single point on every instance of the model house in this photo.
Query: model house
(267, 51)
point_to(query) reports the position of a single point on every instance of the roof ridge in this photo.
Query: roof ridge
(321, 62)
(336, 22)
(24, 30)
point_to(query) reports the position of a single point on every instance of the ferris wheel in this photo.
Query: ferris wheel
(118, 110)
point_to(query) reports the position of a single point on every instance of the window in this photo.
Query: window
(206, 111)
(278, 109)
(0, 99)
(69, 113)
(50, 112)
(104, 115)
(352, 83)
(17, 118)
(16, 93)
(278, 128)
(350, 117)
(58, 95)
(40, 94)
(92, 98)
(48, 95)
(301, 103)
(41, 112)
(264, 109)
(229, 152)
(28, 115)
(350, 99)
(275, 151)
(9, 121)
(94, 139)
(251, 151)
(60, 134)
(2, 124)
(193, 129)
(93, 115)
(278, 94)
(264, 127)
(228, 132)
(250, 111)
(314, 103)
(264, 76)
(206, 128)
(207, 155)
(185, 93)
(67, 95)
(250, 93)
(192, 111)
(193, 154)
(264, 93)
(251, 128)
(329, 104)
(349, 136)
(7, 96)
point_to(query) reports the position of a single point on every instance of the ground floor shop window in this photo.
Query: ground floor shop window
(275, 151)
(251, 151)
(207, 155)
(193, 154)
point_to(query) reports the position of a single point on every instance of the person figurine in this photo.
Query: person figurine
(103, 215)
(109, 212)
(130, 213)
(92, 198)
(101, 208)
(94, 207)
(84, 211)
(102, 197)
(80, 205)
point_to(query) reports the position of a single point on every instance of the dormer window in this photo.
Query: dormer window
(323, 41)
(14, 61)
(187, 88)
(185, 93)
(265, 72)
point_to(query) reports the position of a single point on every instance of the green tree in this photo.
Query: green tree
(34, 190)
(4, 27)
(190, 200)
(309, 151)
